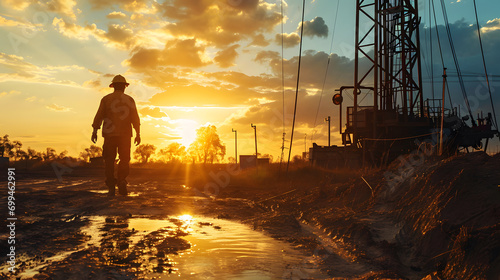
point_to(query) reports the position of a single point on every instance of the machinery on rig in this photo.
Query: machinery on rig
(398, 120)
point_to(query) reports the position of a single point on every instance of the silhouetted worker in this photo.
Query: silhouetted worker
(119, 113)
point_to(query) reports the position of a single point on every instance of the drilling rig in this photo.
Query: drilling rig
(397, 120)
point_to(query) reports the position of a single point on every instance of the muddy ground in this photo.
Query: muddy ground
(422, 218)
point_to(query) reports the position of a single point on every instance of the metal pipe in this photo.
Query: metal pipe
(236, 145)
(356, 75)
(441, 142)
(328, 119)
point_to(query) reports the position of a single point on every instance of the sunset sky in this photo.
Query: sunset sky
(196, 62)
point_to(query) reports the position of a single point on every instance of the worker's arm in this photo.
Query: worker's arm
(93, 138)
(136, 123)
(99, 116)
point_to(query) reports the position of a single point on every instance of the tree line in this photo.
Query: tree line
(14, 150)
(207, 148)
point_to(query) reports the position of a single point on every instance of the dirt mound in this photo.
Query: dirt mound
(449, 210)
(421, 218)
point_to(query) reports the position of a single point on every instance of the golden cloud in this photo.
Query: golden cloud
(163, 77)
(119, 35)
(153, 112)
(17, 69)
(259, 40)
(177, 52)
(17, 4)
(313, 68)
(96, 83)
(244, 81)
(129, 5)
(145, 58)
(197, 95)
(12, 92)
(491, 25)
(72, 30)
(289, 40)
(116, 15)
(11, 22)
(57, 108)
(221, 23)
(62, 7)
(31, 99)
(226, 58)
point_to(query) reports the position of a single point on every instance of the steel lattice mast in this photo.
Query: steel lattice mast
(387, 57)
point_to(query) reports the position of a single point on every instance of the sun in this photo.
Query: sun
(187, 131)
(185, 218)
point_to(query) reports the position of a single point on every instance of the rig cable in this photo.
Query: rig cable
(455, 59)
(485, 69)
(326, 71)
(297, 87)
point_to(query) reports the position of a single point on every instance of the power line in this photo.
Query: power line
(326, 71)
(455, 59)
(440, 49)
(485, 69)
(282, 84)
(282, 65)
(432, 56)
(298, 80)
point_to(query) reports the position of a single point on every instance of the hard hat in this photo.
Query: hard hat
(118, 79)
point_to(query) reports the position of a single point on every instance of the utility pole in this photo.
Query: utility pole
(282, 152)
(235, 145)
(441, 142)
(282, 149)
(328, 119)
(305, 143)
(255, 132)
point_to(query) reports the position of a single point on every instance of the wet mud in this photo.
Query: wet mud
(438, 220)
(73, 230)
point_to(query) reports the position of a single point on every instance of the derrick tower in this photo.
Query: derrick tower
(387, 61)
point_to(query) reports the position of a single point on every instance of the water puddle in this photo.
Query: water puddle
(38, 182)
(106, 192)
(222, 249)
(73, 184)
(227, 250)
(186, 247)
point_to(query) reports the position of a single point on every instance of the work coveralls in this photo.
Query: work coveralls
(118, 113)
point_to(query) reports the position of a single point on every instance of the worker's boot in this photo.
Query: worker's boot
(111, 191)
(111, 187)
(122, 187)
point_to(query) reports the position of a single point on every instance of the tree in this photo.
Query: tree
(144, 152)
(207, 147)
(50, 154)
(32, 153)
(62, 155)
(297, 159)
(268, 156)
(173, 152)
(21, 154)
(17, 146)
(92, 152)
(6, 146)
